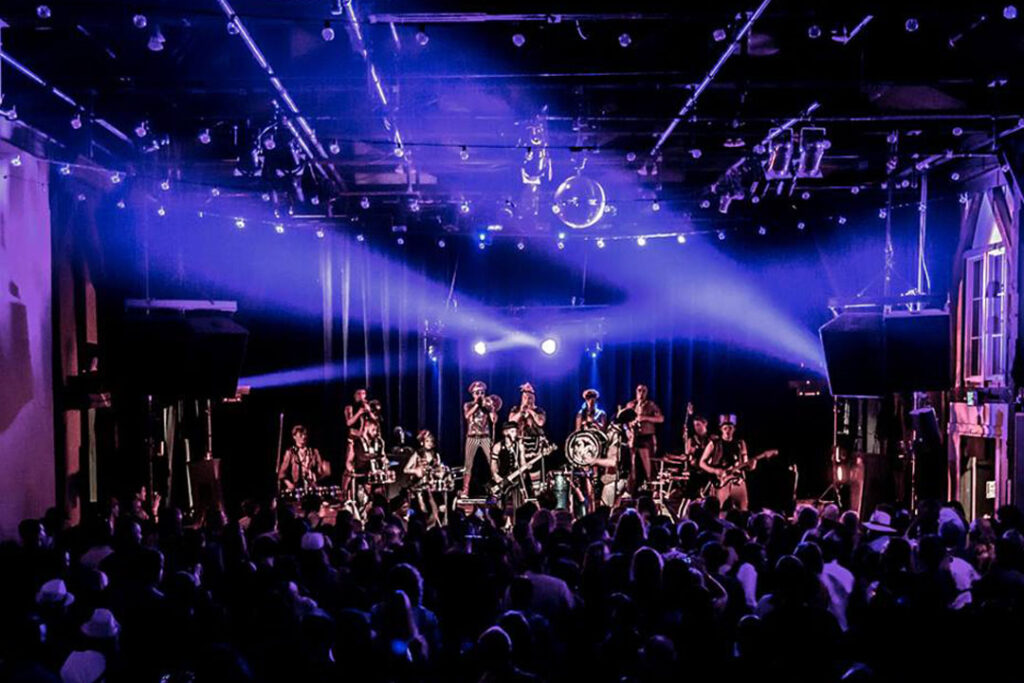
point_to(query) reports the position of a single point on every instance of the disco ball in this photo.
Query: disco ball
(579, 202)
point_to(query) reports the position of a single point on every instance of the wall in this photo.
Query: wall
(27, 485)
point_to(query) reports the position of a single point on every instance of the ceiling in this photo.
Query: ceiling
(605, 81)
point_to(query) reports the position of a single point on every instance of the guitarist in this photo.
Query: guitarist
(509, 455)
(723, 459)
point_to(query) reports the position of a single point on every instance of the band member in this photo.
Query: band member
(418, 467)
(590, 416)
(614, 468)
(508, 456)
(301, 466)
(722, 459)
(529, 418)
(368, 450)
(481, 413)
(642, 431)
(357, 416)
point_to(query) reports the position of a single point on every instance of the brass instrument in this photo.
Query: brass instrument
(492, 403)
(373, 408)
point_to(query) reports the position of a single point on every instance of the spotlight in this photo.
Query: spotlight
(334, 148)
(814, 32)
(364, 203)
(139, 21)
(482, 236)
(718, 35)
(165, 185)
(641, 241)
(156, 41)
(520, 245)
(681, 239)
(721, 235)
(561, 235)
(232, 28)
(762, 231)
(480, 348)
(161, 212)
(142, 130)
(43, 12)
(600, 243)
(625, 40)
(655, 206)
(327, 33)
(421, 37)
(440, 244)
(464, 153)
(1010, 12)
(240, 223)
(76, 121)
(464, 207)
(320, 233)
(549, 346)
(204, 136)
(561, 245)
(911, 25)
(801, 225)
(855, 189)
(519, 40)
(360, 237)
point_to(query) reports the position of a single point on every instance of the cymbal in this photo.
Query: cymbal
(626, 416)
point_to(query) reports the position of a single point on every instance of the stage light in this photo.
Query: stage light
(911, 25)
(139, 21)
(204, 136)
(681, 239)
(812, 148)
(801, 225)
(334, 148)
(561, 235)
(240, 223)
(279, 228)
(696, 153)
(315, 200)
(954, 176)
(1010, 12)
(814, 32)
(400, 241)
(161, 212)
(481, 245)
(414, 205)
(520, 245)
(120, 204)
(480, 348)
(519, 40)
(655, 206)
(755, 199)
(269, 142)
(882, 213)
(65, 169)
(625, 40)
(630, 157)
(142, 130)
(265, 196)
(320, 233)
(495, 227)
(549, 346)
(16, 161)
(115, 178)
(841, 220)
(76, 121)
(364, 203)
(721, 235)
(719, 35)
(464, 153)
(464, 207)
(156, 41)
(165, 185)
(641, 241)
(43, 12)
(855, 189)
(705, 204)
(561, 245)
(214, 192)
(440, 244)
(398, 151)
(600, 243)
(958, 131)
(232, 28)
(805, 195)
(360, 237)
(201, 214)
(482, 236)
(780, 155)
(762, 231)
(327, 33)
(421, 37)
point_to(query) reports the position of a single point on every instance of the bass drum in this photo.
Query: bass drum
(582, 448)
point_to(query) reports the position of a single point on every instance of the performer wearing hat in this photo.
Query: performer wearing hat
(481, 414)
(721, 458)
(590, 416)
(357, 416)
(418, 467)
(301, 466)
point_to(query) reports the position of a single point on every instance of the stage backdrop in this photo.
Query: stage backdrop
(26, 398)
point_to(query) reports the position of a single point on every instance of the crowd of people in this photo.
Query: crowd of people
(514, 595)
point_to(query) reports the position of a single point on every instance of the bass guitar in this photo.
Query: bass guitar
(736, 473)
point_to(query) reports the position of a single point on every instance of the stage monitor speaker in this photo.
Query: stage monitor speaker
(917, 351)
(183, 357)
(854, 345)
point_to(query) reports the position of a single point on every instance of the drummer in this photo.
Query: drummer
(369, 455)
(419, 468)
(590, 415)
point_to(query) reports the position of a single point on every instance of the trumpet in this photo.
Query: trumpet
(490, 403)
(373, 407)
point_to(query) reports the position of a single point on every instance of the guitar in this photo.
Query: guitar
(500, 488)
(737, 473)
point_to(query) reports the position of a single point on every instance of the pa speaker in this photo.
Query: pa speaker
(854, 345)
(917, 350)
(182, 357)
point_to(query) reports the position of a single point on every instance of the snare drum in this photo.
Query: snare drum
(439, 479)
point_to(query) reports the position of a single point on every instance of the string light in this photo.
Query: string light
(116, 178)
(240, 223)
(625, 40)
(641, 241)
(600, 243)
(76, 122)
(696, 153)
(334, 148)
(520, 245)
(518, 40)
(762, 231)
(464, 207)
(161, 212)
(814, 32)
(16, 161)
(841, 220)
(421, 37)
(801, 225)
(204, 136)
(464, 153)
(360, 237)
(279, 229)
(232, 28)
(320, 233)
(481, 245)
(65, 169)
(315, 200)
(805, 195)
(721, 235)
(364, 203)
(681, 238)
(142, 130)
(561, 245)
(441, 244)
(165, 185)
(120, 204)
(958, 131)
(214, 192)
(718, 35)
(705, 204)
(855, 189)
(139, 21)
(882, 213)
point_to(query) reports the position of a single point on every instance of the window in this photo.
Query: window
(985, 315)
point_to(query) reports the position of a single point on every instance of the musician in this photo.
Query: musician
(368, 451)
(614, 467)
(529, 418)
(643, 428)
(509, 455)
(722, 457)
(418, 468)
(357, 416)
(480, 414)
(590, 416)
(301, 466)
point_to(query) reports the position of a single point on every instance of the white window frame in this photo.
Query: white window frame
(987, 377)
